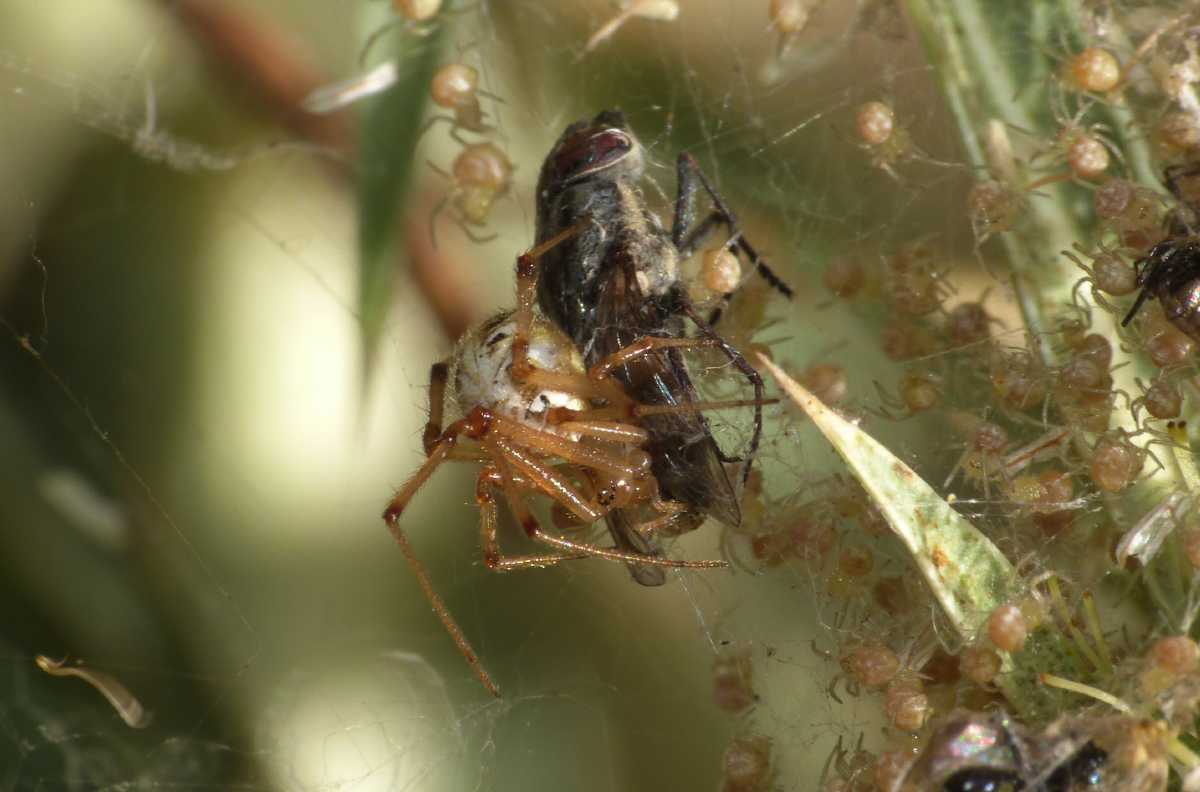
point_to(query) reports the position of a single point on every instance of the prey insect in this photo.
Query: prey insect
(989, 752)
(619, 279)
(1170, 272)
(544, 424)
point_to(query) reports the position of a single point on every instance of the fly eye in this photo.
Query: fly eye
(588, 153)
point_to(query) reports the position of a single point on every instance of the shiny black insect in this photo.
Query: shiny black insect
(1170, 272)
(618, 280)
(1083, 770)
(988, 752)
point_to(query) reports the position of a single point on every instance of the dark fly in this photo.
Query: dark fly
(618, 280)
(989, 752)
(1170, 272)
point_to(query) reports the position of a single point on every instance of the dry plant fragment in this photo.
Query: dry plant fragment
(1145, 538)
(124, 702)
(333, 97)
(656, 10)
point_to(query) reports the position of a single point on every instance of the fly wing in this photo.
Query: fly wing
(625, 537)
(685, 458)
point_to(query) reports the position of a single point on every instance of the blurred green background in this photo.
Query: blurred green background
(195, 460)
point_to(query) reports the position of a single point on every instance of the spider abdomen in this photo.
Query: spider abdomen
(481, 373)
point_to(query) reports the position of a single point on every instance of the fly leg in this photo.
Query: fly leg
(690, 179)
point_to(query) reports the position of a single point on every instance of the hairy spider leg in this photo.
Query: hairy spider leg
(490, 479)
(527, 280)
(599, 383)
(439, 373)
(532, 526)
(391, 516)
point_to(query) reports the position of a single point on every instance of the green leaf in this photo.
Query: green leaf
(390, 129)
(967, 574)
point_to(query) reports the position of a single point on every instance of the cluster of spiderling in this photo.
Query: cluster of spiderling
(1150, 701)
(747, 764)
(481, 173)
(1050, 432)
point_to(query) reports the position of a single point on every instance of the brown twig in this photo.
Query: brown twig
(250, 51)
(441, 278)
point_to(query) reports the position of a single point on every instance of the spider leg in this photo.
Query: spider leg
(669, 512)
(630, 464)
(533, 529)
(490, 479)
(528, 264)
(603, 368)
(438, 375)
(391, 516)
(605, 430)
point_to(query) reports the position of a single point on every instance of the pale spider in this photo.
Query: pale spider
(542, 423)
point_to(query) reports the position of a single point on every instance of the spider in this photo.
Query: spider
(620, 279)
(543, 424)
(1170, 272)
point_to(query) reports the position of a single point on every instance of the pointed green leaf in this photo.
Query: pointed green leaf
(390, 129)
(967, 574)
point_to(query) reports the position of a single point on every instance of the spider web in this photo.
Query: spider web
(194, 482)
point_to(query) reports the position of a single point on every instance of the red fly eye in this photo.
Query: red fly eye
(587, 153)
